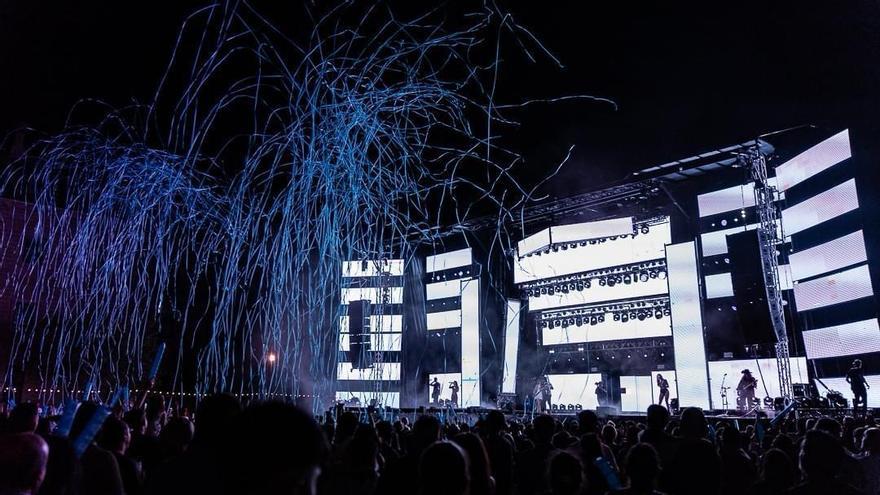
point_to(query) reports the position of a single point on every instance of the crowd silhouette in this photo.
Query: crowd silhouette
(275, 448)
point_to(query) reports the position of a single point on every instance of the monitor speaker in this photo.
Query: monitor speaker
(749, 290)
(359, 334)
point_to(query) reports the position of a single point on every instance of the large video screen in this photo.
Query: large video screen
(577, 388)
(820, 208)
(814, 160)
(860, 337)
(836, 288)
(728, 374)
(828, 257)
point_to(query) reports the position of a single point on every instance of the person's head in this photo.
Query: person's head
(215, 415)
(731, 438)
(566, 474)
(591, 446)
(693, 423)
(346, 426)
(829, 426)
(562, 440)
(435, 380)
(24, 418)
(137, 421)
(747, 373)
(275, 448)
(443, 470)
(114, 435)
(820, 455)
(544, 426)
(176, 435)
(659, 378)
(588, 422)
(426, 430)
(857, 364)
(642, 466)
(23, 458)
(871, 441)
(495, 422)
(658, 416)
(480, 469)
(609, 434)
(777, 469)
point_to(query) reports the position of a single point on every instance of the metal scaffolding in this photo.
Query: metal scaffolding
(769, 237)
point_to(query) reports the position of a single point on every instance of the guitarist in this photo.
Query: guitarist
(746, 388)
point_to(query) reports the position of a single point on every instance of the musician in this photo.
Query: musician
(542, 394)
(856, 379)
(663, 384)
(601, 393)
(435, 391)
(454, 387)
(745, 390)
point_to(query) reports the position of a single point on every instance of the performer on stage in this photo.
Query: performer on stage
(856, 379)
(454, 387)
(663, 383)
(601, 394)
(538, 395)
(435, 391)
(546, 391)
(745, 391)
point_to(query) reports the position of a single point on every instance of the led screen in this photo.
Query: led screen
(860, 337)
(730, 199)
(635, 393)
(445, 380)
(575, 389)
(718, 285)
(768, 377)
(836, 288)
(620, 251)
(820, 208)
(445, 261)
(816, 159)
(444, 319)
(511, 346)
(833, 255)
(840, 385)
(440, 290)
(470, 343)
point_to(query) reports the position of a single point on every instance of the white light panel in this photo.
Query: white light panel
(445, 261)
(534, 242)
(820, 208)
(687, 325)
(445, 380)
(378, 323)
(833, 255)
(378, 371)
(599, 293)
(816, 159)
(378, 342)
(620, 251)
(729, 199)
(444, 319)
(575, 389)
(718, 285)
(768, 376)
(372, 268)
(591, 230)
(836, 288)
(470, 343)
(511, 346)
(635, 393)
(860, 337)
(608, 330)
(840, 385)
(715, 243)
(388, 399)
(440, 290)
(372, 294)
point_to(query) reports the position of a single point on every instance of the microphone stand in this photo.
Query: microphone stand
(724, 403)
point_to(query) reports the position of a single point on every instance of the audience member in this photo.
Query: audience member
(443, 470)
(23, 458)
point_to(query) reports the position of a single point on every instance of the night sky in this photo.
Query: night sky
(686, 78)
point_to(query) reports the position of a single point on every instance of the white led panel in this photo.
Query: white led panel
(387, 399)
(839, 287)
(372, 294)
(444, 319)
(840, 385)
(591, 230)
(378, 371)
(440, 290)
(445, 261)
(511, 346)
(598, 293)
(833, 255)
(470, 343)
(816, 159)
(620, 251)
(718, 285)
(534, 242)
(635, 393)
(378, 323)
(767, 376)
(687, 325)
(820, 208)
(378, 342)
(860, 337)
(607, 330)
(730, 199)
(372, 268)
(445, 380)
(575, 389)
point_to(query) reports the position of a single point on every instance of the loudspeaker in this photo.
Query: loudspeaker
(359, 334)
(749, 290)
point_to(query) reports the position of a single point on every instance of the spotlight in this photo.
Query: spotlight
(587, 284)
(616, 317)
(633, 315)
(645, 229)
(579, 321)
(601, 318)
(592, 241)
(624, 317)
(653, 273)
(642, 316)
(602, 281)
(551, 290)
(543, 290)
(611, 281)
(594, 320)
(555, 249)
(662, 274)
(627, 279)
(643, 276)
(565, 289)
(658, 313)
(579, 286)
(543, 324)
(666, 312)
(571, 321)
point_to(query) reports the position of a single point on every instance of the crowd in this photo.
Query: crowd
(274, 448)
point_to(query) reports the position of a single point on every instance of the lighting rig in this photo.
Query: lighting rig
(638, 227)
(623, 274)
(641, 310)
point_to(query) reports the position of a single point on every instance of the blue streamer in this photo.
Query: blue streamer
(82, 442)
(66, 421)
(157, 360)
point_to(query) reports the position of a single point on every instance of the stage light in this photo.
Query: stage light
(579, 286)
(616, 316)
(551, 290)
(642, 316)
(627, 279)
(646, 354)
(611, 281)
(587, 284)
(662, 275)
(628, 356)
(592, 241)
(579, 321)
(602, 281)
(653, 273)
(658, 313)
(565, 289)
(594, 320)
(633, 315)
(544, 324)
(601, 318)
(643, 276)
(645, 229)
(571, 321)
(564, 247)
(666, 312)
(624, 317)
(555, 249)
(543, 290)
(272, 357)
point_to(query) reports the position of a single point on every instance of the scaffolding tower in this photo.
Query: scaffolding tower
(769, 237)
